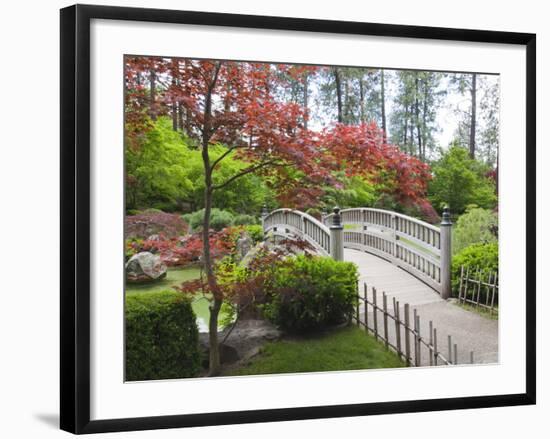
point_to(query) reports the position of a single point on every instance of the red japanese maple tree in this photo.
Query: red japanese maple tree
(238, 104)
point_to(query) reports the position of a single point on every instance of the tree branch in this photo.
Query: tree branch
(224, 155)
(246, 171)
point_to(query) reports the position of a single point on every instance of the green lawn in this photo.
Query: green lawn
(175, 276)
(344, 349)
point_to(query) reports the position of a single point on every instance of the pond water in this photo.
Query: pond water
(174, 277)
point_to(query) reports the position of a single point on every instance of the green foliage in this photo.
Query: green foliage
(256, 232)
(355, 192)
(156, 172)
(474, 227)
(246, 194)
(460, 181)
(167, 172)
(482, 257)
(308, 293)
(344, 349)
(219, 219)
(244, 219)
(161, 337)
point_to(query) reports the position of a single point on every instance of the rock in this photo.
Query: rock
(244, 341)
(228, 353)
(272, 247)
(145, 267)
(244, 244)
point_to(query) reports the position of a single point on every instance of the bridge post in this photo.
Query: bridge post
(337, 236)
(445, 256)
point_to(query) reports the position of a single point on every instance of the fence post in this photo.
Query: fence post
(337, 236)
(445, 257)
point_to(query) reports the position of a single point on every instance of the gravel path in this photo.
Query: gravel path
(469, 330)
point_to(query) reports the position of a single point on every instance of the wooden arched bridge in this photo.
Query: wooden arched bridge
(409, 262)
(418, 251)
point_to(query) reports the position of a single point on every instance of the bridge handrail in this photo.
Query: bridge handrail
(396, 214)
(309, 227)
(413, 244)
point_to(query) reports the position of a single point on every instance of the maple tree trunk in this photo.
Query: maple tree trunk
(215, 305)
(473, 118)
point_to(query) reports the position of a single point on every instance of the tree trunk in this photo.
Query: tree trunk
(411, 135)
(383, 102)
(405, 127)
(473, 117)
(346, 102)
(361, 100)
(214, 364)
(424, 116)
(417, 117)
(174, 107)
(338, 84)
(152, 95)
(306, 99)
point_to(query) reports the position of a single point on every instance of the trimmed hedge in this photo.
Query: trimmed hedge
(309, 293)
(162, 339)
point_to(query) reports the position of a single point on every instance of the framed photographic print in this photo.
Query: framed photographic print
(272, 218)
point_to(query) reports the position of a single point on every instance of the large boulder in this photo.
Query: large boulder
(273, 246)
(145, 267)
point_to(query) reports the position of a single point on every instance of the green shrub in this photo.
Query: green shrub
(476, 256)
(219, 219)
(161, 337)
(308, 293)
(256, 232)
(243, 220)
(474, 227)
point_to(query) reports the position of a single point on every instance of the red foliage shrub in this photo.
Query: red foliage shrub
(146, 224)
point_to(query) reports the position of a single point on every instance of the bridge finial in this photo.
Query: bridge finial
(446, 217)
(336, 218)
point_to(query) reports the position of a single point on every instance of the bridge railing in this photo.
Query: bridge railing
(288, 221)
(416, 246)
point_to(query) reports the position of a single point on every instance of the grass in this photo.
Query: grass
(175, 276)
(480, 310)
(343, 349)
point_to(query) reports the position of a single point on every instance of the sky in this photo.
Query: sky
(447, 119)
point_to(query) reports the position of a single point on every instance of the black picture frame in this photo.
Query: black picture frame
(75, 217)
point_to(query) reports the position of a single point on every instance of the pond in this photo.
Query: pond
(174, 277)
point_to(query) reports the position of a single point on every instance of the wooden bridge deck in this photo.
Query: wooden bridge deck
(386, 277)
(469, 330)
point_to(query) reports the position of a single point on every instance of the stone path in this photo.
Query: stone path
(469, 330)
